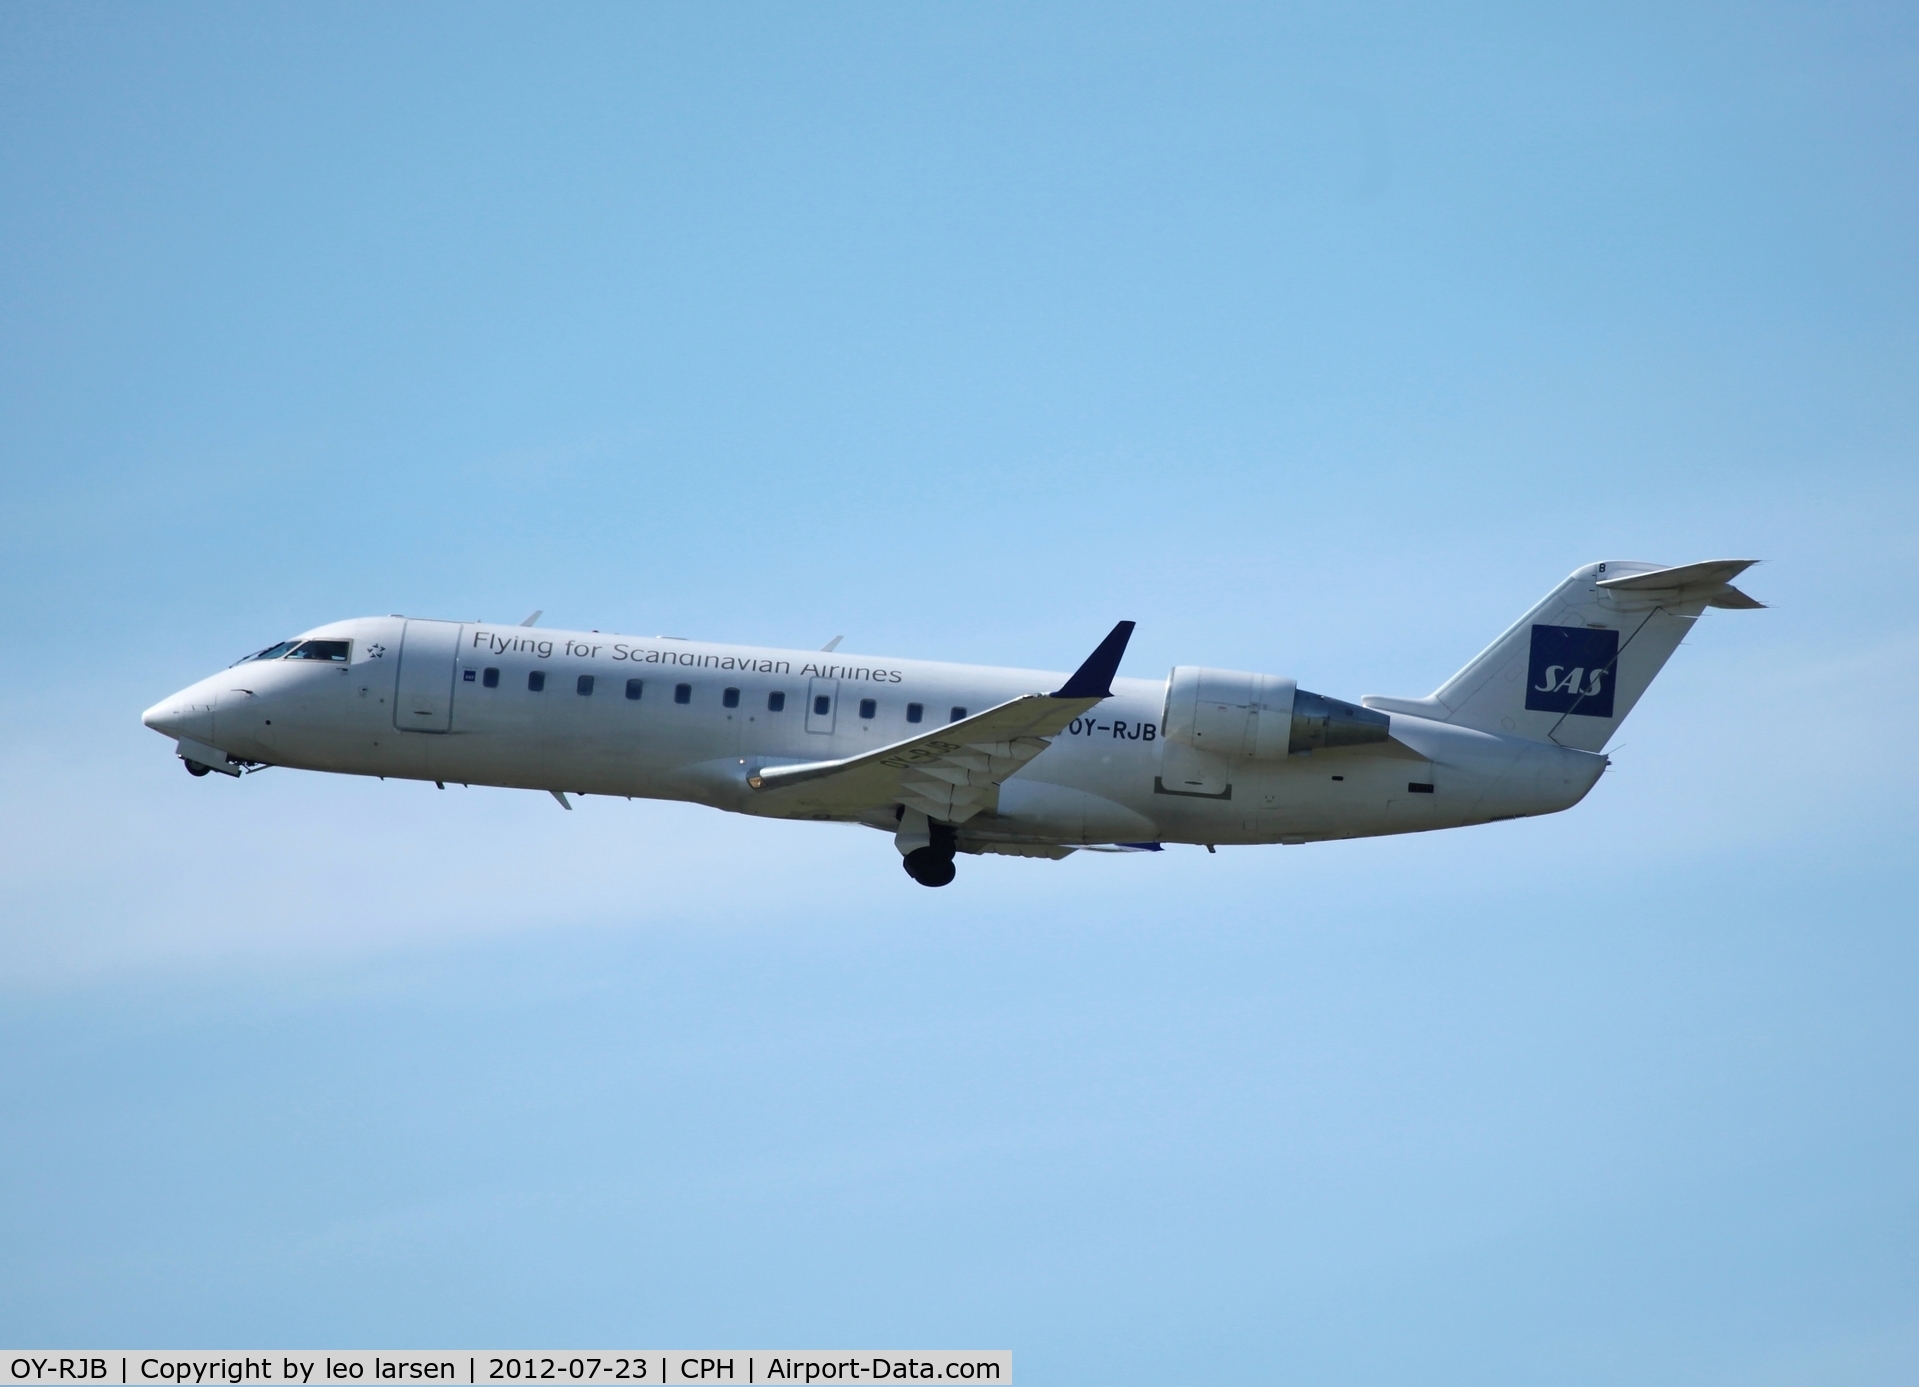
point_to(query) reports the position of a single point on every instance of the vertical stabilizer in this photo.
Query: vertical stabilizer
(1572, 668)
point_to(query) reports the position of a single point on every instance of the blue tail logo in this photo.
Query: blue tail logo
(1571, 670)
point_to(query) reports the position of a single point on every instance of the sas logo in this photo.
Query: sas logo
(1571, 670)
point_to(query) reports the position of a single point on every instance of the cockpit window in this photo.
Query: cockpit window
(272, 652)
(336, 651)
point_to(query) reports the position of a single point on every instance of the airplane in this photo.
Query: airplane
(954, 759)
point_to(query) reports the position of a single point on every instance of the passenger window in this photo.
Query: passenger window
(469, 675)
(822, 706)
(490, 677)
(731, 698)
(915, 711)
(958, 713)
(682, 693)
(334, 651)
(633, 687)
(868, 707)
(583, 686)
(536, 680)
(776, 702)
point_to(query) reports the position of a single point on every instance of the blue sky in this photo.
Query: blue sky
(1319, 341)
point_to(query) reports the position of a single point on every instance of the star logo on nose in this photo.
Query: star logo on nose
(374, 652)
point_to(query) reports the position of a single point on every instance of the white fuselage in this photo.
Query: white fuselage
(652, 717)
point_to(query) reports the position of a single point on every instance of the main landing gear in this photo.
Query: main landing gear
(194, 768)
(932, 865)
(929, 866)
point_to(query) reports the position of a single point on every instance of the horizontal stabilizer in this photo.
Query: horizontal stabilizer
(1709, 582)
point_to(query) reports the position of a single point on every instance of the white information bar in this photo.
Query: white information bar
(308, 1367)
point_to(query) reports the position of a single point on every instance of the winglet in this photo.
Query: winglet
(1094, 679)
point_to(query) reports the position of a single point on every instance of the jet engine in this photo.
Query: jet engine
(1262, 716)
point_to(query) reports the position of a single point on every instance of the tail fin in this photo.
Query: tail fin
(1572, 668)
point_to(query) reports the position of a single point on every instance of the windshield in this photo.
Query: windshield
(335, 651)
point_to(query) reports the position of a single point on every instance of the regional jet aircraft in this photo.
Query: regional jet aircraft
(961, 758)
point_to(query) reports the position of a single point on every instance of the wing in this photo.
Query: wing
(952, 773)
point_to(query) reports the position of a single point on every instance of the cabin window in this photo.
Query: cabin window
(583, 686)
(958, 713)
(334, 651)
(633, 687)
(468, 676)
(730, 699)
(776, 702)
(272, 652)
(822, 706)
(490, 677)
(915, 711)
(868, 707)
(1419, 787)
(682, 693)
(536, 680)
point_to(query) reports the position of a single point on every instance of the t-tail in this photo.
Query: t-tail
(1570, 670)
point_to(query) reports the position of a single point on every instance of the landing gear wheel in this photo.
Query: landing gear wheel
(929, 866)
(194, 768)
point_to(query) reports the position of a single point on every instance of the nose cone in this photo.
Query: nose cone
(188, 713)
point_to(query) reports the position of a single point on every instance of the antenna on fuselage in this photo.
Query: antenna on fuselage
(832, 645)
(534, 619)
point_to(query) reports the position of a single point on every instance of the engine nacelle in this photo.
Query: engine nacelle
(1235, 715)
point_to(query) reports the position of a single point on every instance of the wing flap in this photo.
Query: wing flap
(952, 773)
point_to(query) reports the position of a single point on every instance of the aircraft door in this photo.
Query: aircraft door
(423, 702)
(822, 704)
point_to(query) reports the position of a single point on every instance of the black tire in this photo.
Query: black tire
(194, 768)
(930, 867)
